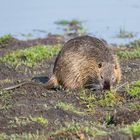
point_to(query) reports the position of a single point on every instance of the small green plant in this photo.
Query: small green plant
(133, 129)
(133, 89)
(31, 56)
(40, 120)
(107, 119)
(134, 53)
(69, 107)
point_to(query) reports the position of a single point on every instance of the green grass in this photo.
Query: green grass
(134, 53)
(133, 89)
(69, 107)
(133, 129)
(5, 38)
(31, 56)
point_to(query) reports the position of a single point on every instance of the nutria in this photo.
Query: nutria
(85, 62)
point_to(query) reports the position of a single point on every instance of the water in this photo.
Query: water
(103, 19)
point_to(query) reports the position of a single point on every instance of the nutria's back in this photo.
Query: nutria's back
(86, 62)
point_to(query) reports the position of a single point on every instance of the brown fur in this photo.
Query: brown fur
(77, 65)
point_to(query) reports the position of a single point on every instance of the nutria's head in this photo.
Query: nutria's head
(108, 75)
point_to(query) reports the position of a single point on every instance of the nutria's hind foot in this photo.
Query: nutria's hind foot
(52, 83)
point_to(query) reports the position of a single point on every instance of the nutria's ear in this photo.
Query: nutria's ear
(99, 65)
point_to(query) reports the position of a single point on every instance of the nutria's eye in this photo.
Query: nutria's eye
(99, 65)
(101, 77)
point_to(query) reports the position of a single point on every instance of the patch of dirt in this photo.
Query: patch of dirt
(124, 116)
(7, 71)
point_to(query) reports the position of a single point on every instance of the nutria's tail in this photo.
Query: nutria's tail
(52, 83)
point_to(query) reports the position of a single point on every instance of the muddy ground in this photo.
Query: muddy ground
(19, 106)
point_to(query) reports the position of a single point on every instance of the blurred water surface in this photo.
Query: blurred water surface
(101, 18)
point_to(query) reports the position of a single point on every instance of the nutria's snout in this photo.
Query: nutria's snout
(106, 85)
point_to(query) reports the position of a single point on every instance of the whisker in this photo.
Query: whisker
(118, 87)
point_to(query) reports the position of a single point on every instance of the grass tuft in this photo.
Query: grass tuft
(69, 107)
